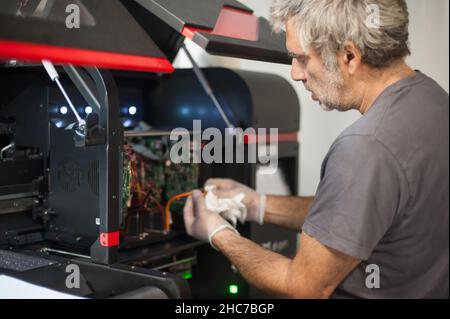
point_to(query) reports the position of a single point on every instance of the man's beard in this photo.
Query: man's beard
(330, 96)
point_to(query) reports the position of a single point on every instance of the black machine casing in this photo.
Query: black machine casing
(64, 194)
(73, 198)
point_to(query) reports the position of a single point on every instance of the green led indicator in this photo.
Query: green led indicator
(187, 275)
(233, 289)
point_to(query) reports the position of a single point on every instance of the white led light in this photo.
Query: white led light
(127, 123)
(132, 110)
(88, 110)
(63, 110)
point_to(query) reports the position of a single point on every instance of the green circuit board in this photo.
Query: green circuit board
(149, 173)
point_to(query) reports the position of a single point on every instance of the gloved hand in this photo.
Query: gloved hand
(232, 209)
(255, 202)
(200, 222)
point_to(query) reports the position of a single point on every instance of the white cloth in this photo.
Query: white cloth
(232, 209)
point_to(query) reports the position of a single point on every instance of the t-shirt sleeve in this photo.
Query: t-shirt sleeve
(358, 196)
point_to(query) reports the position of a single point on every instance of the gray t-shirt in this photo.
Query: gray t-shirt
(384, 195)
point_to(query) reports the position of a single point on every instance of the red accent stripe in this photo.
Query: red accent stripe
(189, 32)
(231, 23)
(109, 239)
(38, 52)
(282, 138)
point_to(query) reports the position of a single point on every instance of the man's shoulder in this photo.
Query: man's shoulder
(406, 105)
(406, 119)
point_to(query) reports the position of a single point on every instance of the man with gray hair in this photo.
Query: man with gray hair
(378, 226)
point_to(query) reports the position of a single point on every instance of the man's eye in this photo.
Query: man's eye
(302, 61)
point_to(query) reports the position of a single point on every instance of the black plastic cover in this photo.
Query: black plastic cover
(201, 16)
(105, 26)
(247, 99)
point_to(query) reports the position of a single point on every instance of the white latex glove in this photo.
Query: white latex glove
(232, 209)
(200, 222)
(255, 202)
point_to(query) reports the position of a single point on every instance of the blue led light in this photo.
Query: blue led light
(127, 123)
(88, 110)
(185, 110)
(63, 110)
(132, 110)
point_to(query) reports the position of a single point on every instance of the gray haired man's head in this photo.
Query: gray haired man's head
(378, 29)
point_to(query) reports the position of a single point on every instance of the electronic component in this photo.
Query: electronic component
(150, 181)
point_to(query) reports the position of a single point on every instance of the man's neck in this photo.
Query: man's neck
(380, 80)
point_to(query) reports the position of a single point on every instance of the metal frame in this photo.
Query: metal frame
(99, 89)
(109, 173)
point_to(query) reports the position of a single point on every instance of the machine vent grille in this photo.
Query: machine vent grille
(93, 177)
(69, 175)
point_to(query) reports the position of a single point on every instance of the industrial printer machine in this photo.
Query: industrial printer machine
(86, 110)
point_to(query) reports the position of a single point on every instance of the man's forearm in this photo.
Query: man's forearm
(262, 268)
(287, 211)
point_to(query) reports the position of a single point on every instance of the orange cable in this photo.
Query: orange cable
(170, 202)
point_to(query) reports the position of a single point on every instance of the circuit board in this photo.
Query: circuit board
(150, 180)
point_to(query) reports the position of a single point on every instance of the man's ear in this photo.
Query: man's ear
(351, 57)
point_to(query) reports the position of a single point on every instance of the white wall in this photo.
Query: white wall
(429, 29)
(429, 43)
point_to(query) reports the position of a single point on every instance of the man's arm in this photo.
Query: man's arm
(287, 211)
(314, 273)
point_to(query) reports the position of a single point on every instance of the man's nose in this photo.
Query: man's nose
(297, 71)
